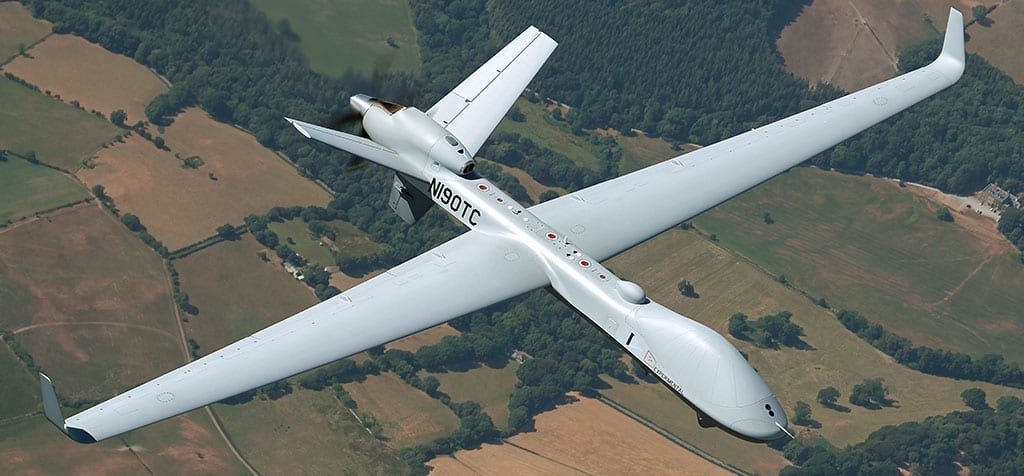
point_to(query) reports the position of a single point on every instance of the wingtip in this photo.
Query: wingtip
(51, 406)
(953, 43)
(298, 127)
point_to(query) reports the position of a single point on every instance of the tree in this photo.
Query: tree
(132, 222)
(828, 396)
(548, 195)
(1009, 404)
(870, 393)
(100, 191)
(159, 143)
(228, 232)
(686, 289)
(119, 117)
(3, 156)
(943, 214)
(768, 218)
(974, 398)
(738, 326)
(802, 414)
(980, 13)
(31, 157)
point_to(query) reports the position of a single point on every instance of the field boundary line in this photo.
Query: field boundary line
(91, 323)
(27, 48)
(673, 438)
(541, 456)
(188, 358)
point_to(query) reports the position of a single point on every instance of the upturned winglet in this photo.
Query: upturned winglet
(51, 407)
(953, 43)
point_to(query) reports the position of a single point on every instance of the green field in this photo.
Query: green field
(489, 387)
(237, 293)
(59, 134)
(352, 241)
(305, 433)
(546, 132)
(26, 188)
(342, 35)
(296, 234)
(86, 299)
(866, 244)
(17, 29)
(407, 415)
(728, 284)
(21, 388)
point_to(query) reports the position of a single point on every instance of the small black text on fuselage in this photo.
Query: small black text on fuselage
(446, 196)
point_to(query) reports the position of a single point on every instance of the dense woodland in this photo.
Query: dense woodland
(986, 441)
(712, 72)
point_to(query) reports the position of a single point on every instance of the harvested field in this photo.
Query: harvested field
(237, 293)
(77, 70)
(852, 44)
(408, 416)
(336, 41)
(27, 188)
(866, 244)
(27, 121)
(728, 284)
(89, 301)
(489, 387)
(322, 436)
(532, 186)
(181, 206)
(997, 42)
(586, 437)
(185, 444)
(18, 29)
(428, 337)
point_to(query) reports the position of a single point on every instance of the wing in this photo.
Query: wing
(465, 274)
(613, 216)
(473, 109)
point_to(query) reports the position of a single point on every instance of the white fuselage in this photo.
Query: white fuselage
(693, 360)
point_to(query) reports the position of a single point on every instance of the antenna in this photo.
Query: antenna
(784, 430)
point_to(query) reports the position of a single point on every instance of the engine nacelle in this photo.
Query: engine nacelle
(413, 135)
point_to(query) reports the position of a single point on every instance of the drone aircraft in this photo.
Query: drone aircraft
(510, 249)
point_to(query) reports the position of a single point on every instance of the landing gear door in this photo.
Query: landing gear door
(409, 198)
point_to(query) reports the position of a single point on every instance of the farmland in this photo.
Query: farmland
(181, 206)
(237, 293)
(541, 129)
(727, 284)
(86, 298)
(428, 337)
(296, 234)
(408, 416)
(27, 188)
(578, 439)
(335, 40)
(864, 244)
(492, 396)
(77, 70)
(305, 432)
(27, 123)
(18, 29)
(855, 44)
(992, 41)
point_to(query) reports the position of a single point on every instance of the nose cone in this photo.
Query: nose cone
(360, 103)
(765, 421)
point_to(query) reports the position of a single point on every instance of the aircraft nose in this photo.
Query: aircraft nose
(764, 421)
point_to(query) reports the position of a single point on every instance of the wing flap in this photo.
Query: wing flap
(613, 216)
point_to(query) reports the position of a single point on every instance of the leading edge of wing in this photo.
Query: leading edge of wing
(467, 273)
(615, 215)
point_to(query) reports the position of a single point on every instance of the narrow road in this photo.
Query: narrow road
(93, 323)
